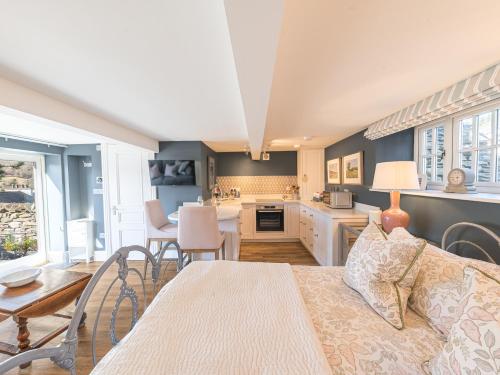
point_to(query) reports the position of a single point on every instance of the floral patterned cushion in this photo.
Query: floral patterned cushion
(439, 287)
(354, 338)
(383, 271)
(474, 343)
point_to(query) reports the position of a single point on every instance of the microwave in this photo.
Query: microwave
(337, 199)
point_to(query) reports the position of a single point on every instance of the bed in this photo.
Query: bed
(224, 317)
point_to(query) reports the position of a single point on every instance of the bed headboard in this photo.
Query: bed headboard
(475, 246)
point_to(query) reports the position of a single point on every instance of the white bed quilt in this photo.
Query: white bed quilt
(222, 318)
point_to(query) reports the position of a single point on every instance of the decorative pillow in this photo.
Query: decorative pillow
(439, 287)
(171, 170)
(474, 343)
(154, 171)
(182, 166)
(383, 272)
(400, 233)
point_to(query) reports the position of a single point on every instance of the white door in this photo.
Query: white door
(311, 172)
(128, 187)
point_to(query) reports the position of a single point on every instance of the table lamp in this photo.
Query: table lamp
(395, 176)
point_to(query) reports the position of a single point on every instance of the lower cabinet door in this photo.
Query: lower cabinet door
(320, 250)
(247, 222)
(292, 220)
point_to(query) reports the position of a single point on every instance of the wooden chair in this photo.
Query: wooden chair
(158, 229)
(198, 232)
(64, 354)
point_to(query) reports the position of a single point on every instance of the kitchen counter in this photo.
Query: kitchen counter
(228, 212)
(336, 213)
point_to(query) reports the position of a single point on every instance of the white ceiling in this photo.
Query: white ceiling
(342, 65)
(162, 67)
(232, 73)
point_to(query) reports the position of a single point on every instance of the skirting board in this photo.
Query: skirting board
(270, 240)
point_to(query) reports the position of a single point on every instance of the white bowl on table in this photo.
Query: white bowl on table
(20, 277)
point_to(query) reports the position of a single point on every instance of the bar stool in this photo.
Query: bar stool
(198, 232)
(158, 228)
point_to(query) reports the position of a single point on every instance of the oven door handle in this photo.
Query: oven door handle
(267, 211)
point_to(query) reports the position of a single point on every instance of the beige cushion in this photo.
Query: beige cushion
(439, 287)
(383, 271)
(474, 343)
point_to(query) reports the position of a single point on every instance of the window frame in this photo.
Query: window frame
(452, 145)
(419, 146)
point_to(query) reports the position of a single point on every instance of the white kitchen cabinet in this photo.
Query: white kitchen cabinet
(306, 227)
(320, 238)
(303, 225)
(247, 222)
(319, 231)
(81, 239)
(311, 172)
(292, 220)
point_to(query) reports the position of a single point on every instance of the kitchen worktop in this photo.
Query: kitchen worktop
(337, 213)
(228, 212)
(359, 211)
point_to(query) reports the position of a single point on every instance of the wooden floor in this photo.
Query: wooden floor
(290, 252)
(277, 252)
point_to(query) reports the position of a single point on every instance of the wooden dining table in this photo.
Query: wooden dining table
(52, 291)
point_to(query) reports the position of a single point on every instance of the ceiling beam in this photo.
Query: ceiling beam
(19, 98)
(254, 28)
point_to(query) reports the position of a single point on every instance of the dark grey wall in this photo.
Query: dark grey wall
(429, 216)
(205, 153)
(282, 163)
(80, 183)
(173, 196)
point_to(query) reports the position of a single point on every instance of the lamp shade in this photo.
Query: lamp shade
(396, 175)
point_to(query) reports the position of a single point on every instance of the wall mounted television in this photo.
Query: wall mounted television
(173, 172)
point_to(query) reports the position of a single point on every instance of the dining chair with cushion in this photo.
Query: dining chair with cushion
(158, 228)
(198, 232)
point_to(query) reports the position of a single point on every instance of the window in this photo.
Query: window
(433, 152)
(468, 140)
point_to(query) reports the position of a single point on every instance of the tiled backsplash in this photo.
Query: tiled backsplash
(257, 184)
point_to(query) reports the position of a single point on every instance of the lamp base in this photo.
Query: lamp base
(394, 216)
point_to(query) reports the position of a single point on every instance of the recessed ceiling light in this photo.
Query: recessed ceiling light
(307, 138)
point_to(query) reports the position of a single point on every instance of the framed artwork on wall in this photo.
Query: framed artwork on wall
(352, 169)
(211, 172)
(333, 170)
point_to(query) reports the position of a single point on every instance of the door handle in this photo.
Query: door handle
(114, 209)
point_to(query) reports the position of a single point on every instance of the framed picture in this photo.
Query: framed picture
(333, 170)
(211, 172)
(352, 168)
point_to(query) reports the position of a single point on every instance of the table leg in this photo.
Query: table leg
(84, 316)
(23, 334)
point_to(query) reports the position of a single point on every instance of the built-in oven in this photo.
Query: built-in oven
(270, 218)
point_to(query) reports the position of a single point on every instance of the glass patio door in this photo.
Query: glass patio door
(22, 226)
